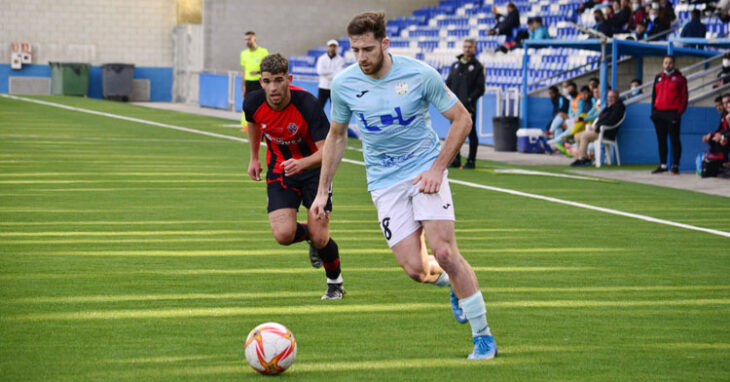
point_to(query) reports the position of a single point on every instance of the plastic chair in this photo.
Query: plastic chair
(608, 145)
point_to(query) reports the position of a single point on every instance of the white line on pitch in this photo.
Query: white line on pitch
(468, 184)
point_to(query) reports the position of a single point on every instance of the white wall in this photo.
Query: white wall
(289, 27)
(93, 31)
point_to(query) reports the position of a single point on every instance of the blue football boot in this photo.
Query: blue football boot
(484, 347)
(458, 312)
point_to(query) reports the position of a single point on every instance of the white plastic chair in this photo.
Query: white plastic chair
(607, 145)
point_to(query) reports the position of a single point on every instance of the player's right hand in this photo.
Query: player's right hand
(317, 207)
(254, 170)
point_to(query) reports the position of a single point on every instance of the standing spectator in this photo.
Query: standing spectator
(609, 116)
(694, 28)
(505, 23)
(328, 65)
(602, 25)
(621, 17)
(466, 80)
(724, 76)
(251, 63)
(639, 13)
(658, 22)
(560, 110)
(668, 101)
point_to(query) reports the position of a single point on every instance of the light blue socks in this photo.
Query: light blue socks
(476, 313)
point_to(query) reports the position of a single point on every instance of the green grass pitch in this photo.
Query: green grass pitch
(130, 252)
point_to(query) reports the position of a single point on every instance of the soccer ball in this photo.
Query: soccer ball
(270, 348)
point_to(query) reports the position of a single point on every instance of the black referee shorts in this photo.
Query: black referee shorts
(293, 191)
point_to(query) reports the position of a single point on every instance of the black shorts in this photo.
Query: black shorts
(290, 192)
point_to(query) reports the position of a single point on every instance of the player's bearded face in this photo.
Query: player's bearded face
(369, 52)
(276, 87)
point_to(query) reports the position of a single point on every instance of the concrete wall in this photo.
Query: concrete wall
(290, 27)
(91, 31)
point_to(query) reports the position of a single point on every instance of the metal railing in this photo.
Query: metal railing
(686, 69)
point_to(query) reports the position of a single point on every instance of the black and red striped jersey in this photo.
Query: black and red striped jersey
(291, 132)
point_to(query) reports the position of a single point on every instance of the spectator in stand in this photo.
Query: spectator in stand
(505, 23)
(639, 13)
(656, 23)
(667, 10)
(560, 110)
(719, 105)
(594, 83)
(466, 81)
(635, 91)
(537, 30)
(602, 25)
(609, 116)
(576, 123)
(621, 17)
(328, 65)
(668, 101)
(724, 76)
(587, 120)
(641, 33)
(718, 139)
(694, 28)
(584, 6)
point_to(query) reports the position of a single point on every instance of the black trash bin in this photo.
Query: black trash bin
(116, 81)
(505, 133)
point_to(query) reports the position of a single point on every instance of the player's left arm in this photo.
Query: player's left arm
(460, 128)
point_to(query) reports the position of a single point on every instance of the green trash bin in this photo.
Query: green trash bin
(69, 78)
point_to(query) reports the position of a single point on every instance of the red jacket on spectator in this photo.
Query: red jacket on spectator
(638, 17)
(670, 92)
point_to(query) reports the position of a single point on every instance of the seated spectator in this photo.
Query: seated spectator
(610, 116)
(584, 6)
(635, 91)
(621, 17)
(560, 109)
(718, 139)
(505, 23)
(570, 92)
(537, 30)
(639, 13)
(576, 123)
(666, 9)
(640, 33)
(656, 24)
(601, 24)
(594, 83)
(724, 76)
(694, 28)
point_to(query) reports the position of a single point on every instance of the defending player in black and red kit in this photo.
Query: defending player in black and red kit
(294, 126)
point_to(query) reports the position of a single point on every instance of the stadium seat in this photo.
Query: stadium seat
(608, 146)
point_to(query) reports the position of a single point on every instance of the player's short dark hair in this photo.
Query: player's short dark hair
(471, 40)
(554, 89)
(718, 99)
(367, 22)
(585, 88)
(695, 14)
(726, 95)
(670, 56)
(275, 64)
(250, 33)
(573, 84)
(638, 81)
(594, 79)
(536, 19)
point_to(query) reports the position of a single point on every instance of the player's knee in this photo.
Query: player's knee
(445, 257)
(320, 241)
(284, 237)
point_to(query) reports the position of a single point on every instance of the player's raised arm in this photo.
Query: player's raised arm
(460, 127)
(254, 140)
(332, 152)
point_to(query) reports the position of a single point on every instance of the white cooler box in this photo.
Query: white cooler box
(530, 141)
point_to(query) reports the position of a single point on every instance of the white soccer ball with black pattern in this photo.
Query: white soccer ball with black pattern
(270, 348)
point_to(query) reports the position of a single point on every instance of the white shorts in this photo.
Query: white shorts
(401, 208)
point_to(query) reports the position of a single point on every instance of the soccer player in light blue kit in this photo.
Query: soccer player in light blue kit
(389, 97)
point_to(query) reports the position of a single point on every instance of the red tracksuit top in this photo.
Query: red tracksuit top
(670, 92)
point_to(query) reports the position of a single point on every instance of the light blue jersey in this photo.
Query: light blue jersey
(392, 113)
